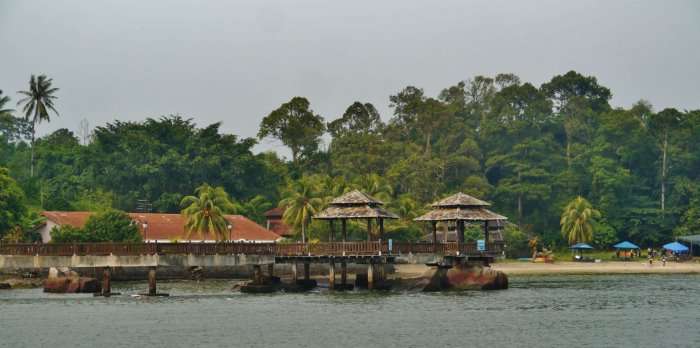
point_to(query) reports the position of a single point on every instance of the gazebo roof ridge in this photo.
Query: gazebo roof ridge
(355, 197)
(460, 199)
(355, 205)
(460, 207)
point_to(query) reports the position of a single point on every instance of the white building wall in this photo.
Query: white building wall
(45, 231)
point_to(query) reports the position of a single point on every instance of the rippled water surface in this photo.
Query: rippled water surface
(572, 311)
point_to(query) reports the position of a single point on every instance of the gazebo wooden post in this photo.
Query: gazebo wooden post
(331, 233)
(486, 235)
(434, 224)
(460, 235)
(381, 228)
(369, 230)
(345, 229)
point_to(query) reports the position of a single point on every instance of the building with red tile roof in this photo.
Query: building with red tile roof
(163, 227)
(276, 224)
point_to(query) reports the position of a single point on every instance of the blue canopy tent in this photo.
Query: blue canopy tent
(676, 248)
(581, 246)
(626, 250)
(578, 248)
(625, 245)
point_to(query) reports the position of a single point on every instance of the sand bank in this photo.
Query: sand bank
(564, 267)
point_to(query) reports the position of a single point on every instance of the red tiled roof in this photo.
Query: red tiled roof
(275, 212)
(72, 218)
(171, 226)
(278, 226)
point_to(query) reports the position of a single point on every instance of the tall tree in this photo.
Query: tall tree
(420, 116)
(358, 118)
(301, 200)
(663, 124)
(295, 125)
(205, 212)
(521, 155)
(577, 221)
(38, 101)
(573, 95)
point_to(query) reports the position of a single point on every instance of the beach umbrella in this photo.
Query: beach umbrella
(676, 247)
(625, 245)
(581, 246)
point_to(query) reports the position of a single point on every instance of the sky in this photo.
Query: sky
(235, 61)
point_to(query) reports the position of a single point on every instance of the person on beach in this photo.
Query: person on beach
(663, 260)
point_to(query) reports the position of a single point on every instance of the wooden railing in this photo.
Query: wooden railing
(276, 249)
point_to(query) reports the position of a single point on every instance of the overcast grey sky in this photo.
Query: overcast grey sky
(236, 61)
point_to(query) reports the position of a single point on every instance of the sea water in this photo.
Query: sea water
(537, 311)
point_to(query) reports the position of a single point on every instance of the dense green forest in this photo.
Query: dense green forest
(529, 150)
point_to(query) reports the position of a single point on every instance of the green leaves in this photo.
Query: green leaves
(577, 221)
(301, 199)
(295, 125)
(12, 208)
(107, 226)
(205, 212)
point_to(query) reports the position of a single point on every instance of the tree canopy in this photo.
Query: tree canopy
(529, 149)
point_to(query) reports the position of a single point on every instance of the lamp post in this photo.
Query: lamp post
(230, 230)
(145, 231)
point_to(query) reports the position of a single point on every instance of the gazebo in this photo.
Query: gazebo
(355, 205)
(461, 208)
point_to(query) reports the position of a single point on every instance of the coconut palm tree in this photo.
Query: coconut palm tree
(255, 208)
(301, 200)
(375, 186)
(4, 100)
(576, 221)
(205, 211)
(37, 103)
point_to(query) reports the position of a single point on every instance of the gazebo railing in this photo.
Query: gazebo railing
(275, 249)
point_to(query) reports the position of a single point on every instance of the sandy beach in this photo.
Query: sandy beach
(563, 267)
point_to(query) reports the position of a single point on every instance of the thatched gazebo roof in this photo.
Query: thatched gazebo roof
(355, 205)
(460, 207)
(460, 200)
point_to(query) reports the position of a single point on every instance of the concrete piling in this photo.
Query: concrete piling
(106, 282)
(331, 274)
(152, 281)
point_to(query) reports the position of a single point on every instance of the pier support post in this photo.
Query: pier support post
(307, 272)
(344, 273)
(257, 274)
(152, 281)
(295, 275)
(106, 282)
(331, 274)
(370, 276)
